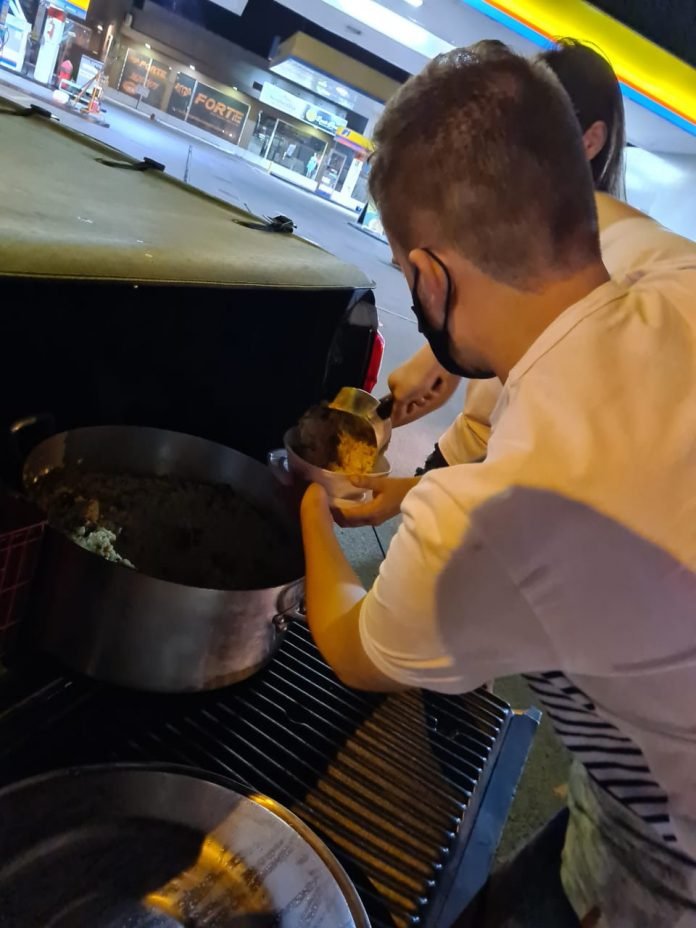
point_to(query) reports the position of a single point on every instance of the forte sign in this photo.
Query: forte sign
(217, 112)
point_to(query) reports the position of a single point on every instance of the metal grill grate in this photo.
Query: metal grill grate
(385, 781)
(21, 530)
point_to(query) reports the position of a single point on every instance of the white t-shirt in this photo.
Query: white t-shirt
(572, 548)
(628, 246)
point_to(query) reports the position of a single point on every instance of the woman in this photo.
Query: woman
(421, 385)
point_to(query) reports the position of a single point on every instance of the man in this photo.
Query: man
(569, 553)
(630, 241)
(631, 245)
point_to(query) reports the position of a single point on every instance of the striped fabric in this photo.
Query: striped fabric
(613, 760)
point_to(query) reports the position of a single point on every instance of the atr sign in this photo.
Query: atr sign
(213, 110)
(181, 95)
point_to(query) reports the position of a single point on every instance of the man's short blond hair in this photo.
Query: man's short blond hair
(482, 152)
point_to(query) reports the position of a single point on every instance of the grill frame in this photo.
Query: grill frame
(54, 721)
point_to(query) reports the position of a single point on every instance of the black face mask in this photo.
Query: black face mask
(439, 339)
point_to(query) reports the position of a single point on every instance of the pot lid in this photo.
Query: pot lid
(153, 847)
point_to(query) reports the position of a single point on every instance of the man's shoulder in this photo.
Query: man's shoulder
(607, 337)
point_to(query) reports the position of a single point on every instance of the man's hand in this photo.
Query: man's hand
(420, 386)
(387, 495)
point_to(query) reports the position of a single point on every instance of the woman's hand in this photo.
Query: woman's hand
(387, 495)
(420, 386)
(314, 509)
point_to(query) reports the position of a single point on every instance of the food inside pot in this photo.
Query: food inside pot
(197, 534)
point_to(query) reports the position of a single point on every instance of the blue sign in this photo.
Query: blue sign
(329, 122)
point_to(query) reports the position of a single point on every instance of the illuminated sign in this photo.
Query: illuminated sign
(76, 8)
(300, 108)
(213, 110)
(181, 95)
(329, 122)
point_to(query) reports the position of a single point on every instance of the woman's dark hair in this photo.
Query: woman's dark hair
(590, 82)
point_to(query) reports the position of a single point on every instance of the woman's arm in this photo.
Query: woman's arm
(420, 386)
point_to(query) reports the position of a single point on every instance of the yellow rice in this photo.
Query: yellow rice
(354, 456)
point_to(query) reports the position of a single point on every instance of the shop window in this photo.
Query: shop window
(296, 150)
(262, 134)
(335, 170)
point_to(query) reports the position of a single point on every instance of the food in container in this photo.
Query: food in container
(182, 530)
(290, 466)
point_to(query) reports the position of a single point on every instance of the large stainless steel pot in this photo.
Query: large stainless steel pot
(115, 624)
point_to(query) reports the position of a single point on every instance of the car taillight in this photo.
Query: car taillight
(375, 362)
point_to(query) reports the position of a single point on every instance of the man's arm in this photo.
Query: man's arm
(334, 597)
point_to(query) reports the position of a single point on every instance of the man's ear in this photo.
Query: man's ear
(432, 285)
(594, 139)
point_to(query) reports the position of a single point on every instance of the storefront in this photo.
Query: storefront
(209, 108)
(156, 80)
(290, 134)
(298, 144)
(294, 147)
(344, 176)
(144, 78)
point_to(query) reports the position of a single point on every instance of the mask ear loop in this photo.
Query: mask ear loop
(416, 278)
(448, 294)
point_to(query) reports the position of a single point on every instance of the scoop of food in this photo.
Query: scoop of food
(337, 441)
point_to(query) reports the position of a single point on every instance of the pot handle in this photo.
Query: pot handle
(278, 462)
(385, 406)
(291, 606)
(41, 420)
(21, 431)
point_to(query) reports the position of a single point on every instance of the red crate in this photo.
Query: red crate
(21, 531)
